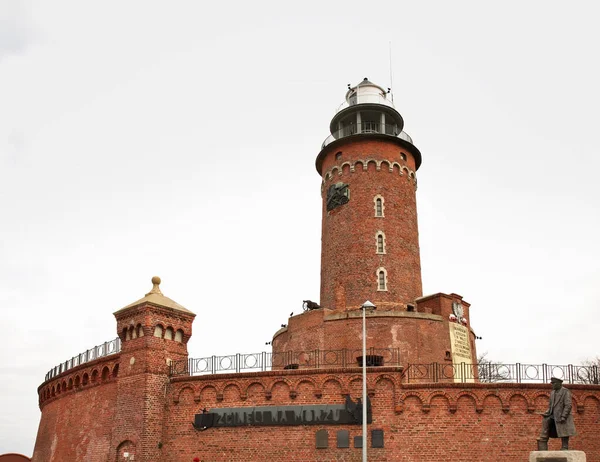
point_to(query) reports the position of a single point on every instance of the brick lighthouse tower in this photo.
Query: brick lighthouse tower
(370, 243)
(370, 240)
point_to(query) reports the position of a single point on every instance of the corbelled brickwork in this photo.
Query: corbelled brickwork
(163, 329)
(421, 422)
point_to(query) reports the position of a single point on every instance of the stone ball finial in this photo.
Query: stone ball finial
(155, 288)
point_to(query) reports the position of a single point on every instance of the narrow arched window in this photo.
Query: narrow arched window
(379, 207)
(381, 279)
(158, 331)
(179, 335)
(169, 333)
(380, 243)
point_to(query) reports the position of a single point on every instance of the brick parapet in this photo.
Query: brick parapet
(74, 379)
(421, 337)
(134, 412)
(421, 422)
(149, 315)
(504, 392)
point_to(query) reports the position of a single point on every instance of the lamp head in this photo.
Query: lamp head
(368, 306)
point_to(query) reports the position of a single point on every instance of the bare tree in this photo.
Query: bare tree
(491, 371)
(589, 371)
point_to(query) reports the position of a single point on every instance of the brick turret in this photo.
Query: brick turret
(154, 331)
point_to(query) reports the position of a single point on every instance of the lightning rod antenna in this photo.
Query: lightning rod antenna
(391, 80)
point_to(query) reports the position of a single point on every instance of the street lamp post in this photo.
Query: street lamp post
(365, 306)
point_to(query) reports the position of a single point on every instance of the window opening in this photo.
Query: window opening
(381, 280)
(378, 200)
(380, 248)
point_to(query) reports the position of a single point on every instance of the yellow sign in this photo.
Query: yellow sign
(462, 358)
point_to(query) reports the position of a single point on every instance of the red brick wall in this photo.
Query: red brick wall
(139, 413)
(348, 254)
(421, 422)
(114, 404)
(462, 422)
(420, 336)
(489, 422)
(77, 422)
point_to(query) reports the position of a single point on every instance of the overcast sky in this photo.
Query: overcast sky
(178, 139)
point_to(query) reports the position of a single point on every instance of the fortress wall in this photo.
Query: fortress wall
(77, 413)
(489, 422)
(421, 422)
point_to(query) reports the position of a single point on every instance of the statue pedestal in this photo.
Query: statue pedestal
(557, 456)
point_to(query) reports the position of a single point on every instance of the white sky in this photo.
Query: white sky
(178, 139)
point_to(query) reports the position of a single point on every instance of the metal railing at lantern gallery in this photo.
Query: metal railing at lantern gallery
(366, 128)
(104, 349)
(310, 359)
(498, 372)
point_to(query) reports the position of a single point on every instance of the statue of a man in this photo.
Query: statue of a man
(557, 420)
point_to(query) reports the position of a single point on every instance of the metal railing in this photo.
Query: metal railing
(366, 128)
(498, 372)
(105, 349)
(366, 98)
(310, 359)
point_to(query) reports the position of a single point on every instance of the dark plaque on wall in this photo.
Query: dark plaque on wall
(322, 438)
(343, 439)
(337, 194)
(376, 438)
(358, 441)
(349, 413)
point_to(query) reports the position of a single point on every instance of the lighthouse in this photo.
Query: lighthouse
(370, 241)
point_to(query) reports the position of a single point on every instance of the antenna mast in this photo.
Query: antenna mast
(391, 81)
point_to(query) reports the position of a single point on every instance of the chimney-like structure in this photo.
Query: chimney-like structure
(154, 331)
